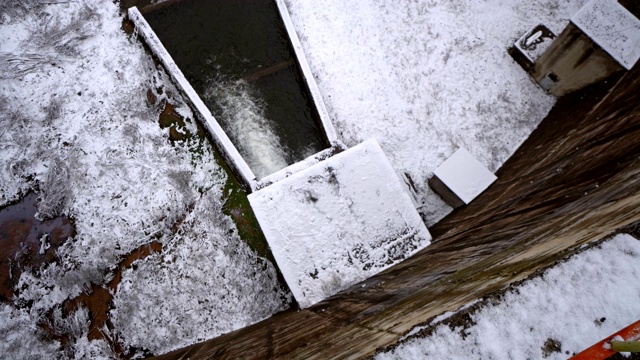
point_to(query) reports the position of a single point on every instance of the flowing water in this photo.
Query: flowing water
(244, 118)
(237, 56)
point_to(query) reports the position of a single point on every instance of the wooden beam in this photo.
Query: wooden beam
(271, 70)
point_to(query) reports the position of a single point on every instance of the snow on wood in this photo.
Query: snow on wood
(338, 222)
(464, 175)
(213, 127)
(308, 75)
(612, 27)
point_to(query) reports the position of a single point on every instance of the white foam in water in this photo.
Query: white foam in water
(247, 126)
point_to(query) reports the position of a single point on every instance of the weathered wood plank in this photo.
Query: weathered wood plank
(268, 71)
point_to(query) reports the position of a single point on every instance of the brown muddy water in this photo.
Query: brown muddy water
(26, 242)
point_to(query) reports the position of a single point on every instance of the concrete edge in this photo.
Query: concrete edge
(222, 141)
(308, 75)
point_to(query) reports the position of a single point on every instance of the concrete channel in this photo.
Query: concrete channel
(574, 181)
(291, 128)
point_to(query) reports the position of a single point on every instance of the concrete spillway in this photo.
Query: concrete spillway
(572, 182)
(242, 68)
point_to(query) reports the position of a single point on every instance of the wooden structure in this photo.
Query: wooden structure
(575, 180)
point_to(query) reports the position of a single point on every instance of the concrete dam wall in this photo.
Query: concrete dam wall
(572, 182)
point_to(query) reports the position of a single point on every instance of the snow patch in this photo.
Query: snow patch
(18, 337)
(205, 283)
(425, 78)
(81, 132)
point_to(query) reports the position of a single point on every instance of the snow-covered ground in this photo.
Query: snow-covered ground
(427, 77)
(422, 77)
(565, 310)
(77, 128)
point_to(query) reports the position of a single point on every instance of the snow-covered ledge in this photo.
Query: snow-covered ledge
(339, 222)
(223, 143)
(299, 166)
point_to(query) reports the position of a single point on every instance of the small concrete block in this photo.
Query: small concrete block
(464, 176)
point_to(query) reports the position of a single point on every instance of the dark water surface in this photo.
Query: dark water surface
(20, 241)
(238, 58)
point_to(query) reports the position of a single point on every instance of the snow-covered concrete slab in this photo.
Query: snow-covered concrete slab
(296, 167)
(465, 176)
(612, 27)
(338, 222)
